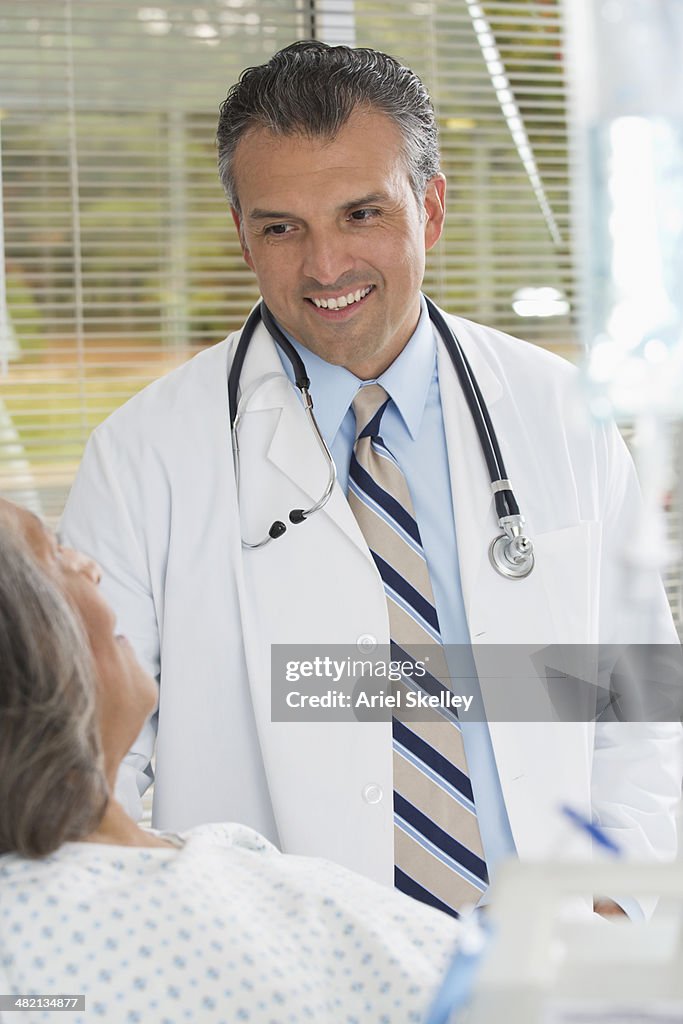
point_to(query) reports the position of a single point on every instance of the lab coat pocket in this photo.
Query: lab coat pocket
(557, 603)
(569, 567)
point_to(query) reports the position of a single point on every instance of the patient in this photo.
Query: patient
(213, 926)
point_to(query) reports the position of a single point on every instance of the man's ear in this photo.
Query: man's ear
(240, 232)
(434, 209)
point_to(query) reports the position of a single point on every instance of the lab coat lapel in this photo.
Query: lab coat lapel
(288, 440)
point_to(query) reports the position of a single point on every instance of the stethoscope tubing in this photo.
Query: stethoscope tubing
(511, 554)
(468, 383)
(506, 504)
(252, 322)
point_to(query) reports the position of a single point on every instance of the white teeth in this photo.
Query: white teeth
(344, 300)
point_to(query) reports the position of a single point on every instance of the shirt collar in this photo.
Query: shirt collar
(407, 380)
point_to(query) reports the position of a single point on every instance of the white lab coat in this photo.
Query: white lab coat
(155, 503)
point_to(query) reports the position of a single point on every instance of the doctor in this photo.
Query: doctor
(329, 157)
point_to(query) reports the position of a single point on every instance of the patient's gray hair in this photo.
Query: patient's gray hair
(52, 782)
(311, 89)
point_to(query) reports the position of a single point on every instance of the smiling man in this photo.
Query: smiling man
(329, 157)
(337, 238)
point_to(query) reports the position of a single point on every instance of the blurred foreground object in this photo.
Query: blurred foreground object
(553, 962)
(626, 86)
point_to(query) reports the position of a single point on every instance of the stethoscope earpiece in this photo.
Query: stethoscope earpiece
(297, 515)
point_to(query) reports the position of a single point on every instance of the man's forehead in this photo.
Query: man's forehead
(368, 139)
(364, 118)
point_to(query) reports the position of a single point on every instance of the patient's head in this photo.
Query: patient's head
(72, 694)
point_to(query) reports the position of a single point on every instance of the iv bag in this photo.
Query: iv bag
(625, 67)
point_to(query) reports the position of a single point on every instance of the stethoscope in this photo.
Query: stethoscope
(511, 553)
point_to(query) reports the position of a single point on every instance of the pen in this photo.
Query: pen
(594, 831)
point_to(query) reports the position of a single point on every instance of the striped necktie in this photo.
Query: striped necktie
(438, 854)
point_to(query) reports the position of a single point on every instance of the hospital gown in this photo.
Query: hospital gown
(225, 929)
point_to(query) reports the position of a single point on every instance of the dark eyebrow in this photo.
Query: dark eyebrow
(373, 197)
(259, 214)
(369, 200)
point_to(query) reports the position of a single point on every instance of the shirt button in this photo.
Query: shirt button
(372, 793)
(366, 643)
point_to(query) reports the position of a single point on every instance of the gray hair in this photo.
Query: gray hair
(312, 89)
(52, 782)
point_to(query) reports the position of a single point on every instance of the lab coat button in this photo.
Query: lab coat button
(372, 793)
(366, 643)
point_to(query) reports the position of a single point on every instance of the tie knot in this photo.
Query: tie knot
(368, 407)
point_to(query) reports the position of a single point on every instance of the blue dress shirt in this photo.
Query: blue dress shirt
(413, 430)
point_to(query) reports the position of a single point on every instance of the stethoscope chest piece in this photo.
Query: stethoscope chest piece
(512, 553)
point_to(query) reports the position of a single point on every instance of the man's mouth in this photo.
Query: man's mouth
(341, 301)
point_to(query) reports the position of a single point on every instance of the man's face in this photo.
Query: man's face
(338, 223)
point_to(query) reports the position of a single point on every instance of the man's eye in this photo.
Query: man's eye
(278, 229)
(364, 214)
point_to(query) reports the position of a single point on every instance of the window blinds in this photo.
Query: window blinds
(493, 69)
(119, 257)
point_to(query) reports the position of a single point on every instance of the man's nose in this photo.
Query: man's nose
(76, 561)
(327, 257)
